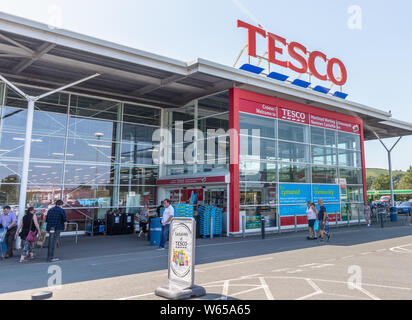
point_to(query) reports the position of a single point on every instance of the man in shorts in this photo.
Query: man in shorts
(322, 216)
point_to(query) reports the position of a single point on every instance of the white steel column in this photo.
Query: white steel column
(27, 143)
(26, 158)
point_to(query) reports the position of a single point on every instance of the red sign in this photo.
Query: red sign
(294, 116)
(191, 181)
(300, 62)
(258, 108)
(348, 127)
(323, 122)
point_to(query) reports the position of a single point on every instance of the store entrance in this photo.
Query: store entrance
(213, 196)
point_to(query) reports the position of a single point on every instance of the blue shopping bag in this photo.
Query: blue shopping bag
(316, 226)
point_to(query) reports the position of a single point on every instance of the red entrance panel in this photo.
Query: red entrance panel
(266, 106)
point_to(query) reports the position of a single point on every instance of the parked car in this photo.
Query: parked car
(404, 208)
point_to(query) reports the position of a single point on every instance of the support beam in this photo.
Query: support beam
(40, 52)
(17, 44)
(153, 87)
(390, 165)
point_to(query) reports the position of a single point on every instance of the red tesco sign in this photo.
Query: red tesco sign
(297, 52)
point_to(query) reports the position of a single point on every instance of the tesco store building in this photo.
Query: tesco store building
(92, 144)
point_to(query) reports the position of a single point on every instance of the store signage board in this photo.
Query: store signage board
(298, 58)
(192, 181)
(328, 193)
(294, 193)
(289, 114)
(181, 274)
(323, 122)
(259, 109)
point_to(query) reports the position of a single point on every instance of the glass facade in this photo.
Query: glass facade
(295, 155)
(97, 154)
(203, 128)
(94, 154)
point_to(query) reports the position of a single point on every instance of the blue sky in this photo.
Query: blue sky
(378, 57)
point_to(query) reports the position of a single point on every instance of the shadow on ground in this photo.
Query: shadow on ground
(101, 257)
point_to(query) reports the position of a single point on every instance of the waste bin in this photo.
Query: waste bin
(394, 215)
(114, 224)
(128, 223)
(155, 232)
(99, 227)
(3, 248)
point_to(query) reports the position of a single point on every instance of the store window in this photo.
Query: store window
(294, 173)
(326, 175)
(324, 156)
(348, 141)
(290, 131)
(293, 152)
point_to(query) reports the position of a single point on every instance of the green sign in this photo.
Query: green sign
(388, 192)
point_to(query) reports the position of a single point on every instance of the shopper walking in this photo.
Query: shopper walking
(9, 221)
(56, 223)
(166, 220)
(368, 213)
(322, 216)
(311, 215)
(30, 229)
(143, 219)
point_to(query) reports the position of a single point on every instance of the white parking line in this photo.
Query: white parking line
(322, 266)
(233, 264)
(281, 270)
(315, 287)
(295, 271)
(265, 287)
(138, 296)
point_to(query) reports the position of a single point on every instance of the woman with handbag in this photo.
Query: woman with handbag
(29, 227)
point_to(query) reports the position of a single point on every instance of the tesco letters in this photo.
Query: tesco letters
(302, 60)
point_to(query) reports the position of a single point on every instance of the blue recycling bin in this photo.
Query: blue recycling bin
(155, 232)
(3, 244)
(394, 216)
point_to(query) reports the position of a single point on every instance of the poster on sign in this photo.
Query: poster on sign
(181, 254)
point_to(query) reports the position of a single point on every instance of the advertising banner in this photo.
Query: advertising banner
(286, 211)
(328, 193)
(181, 254)
(294, 193)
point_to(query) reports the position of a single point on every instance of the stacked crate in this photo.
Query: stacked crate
(181, 211)
(207, 214)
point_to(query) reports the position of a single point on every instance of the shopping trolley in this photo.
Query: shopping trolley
(2, 237)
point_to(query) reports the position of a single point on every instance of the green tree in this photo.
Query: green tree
(381, 182)
(406, 182)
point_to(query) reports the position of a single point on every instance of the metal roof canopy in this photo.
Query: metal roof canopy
(31, 53)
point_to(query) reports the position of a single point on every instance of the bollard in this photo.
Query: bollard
(49, 247)
(296, 223)
(381, 217)
(263, 227)
(279, 226)
(211, 226)
(243, 227)
(47, 295)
